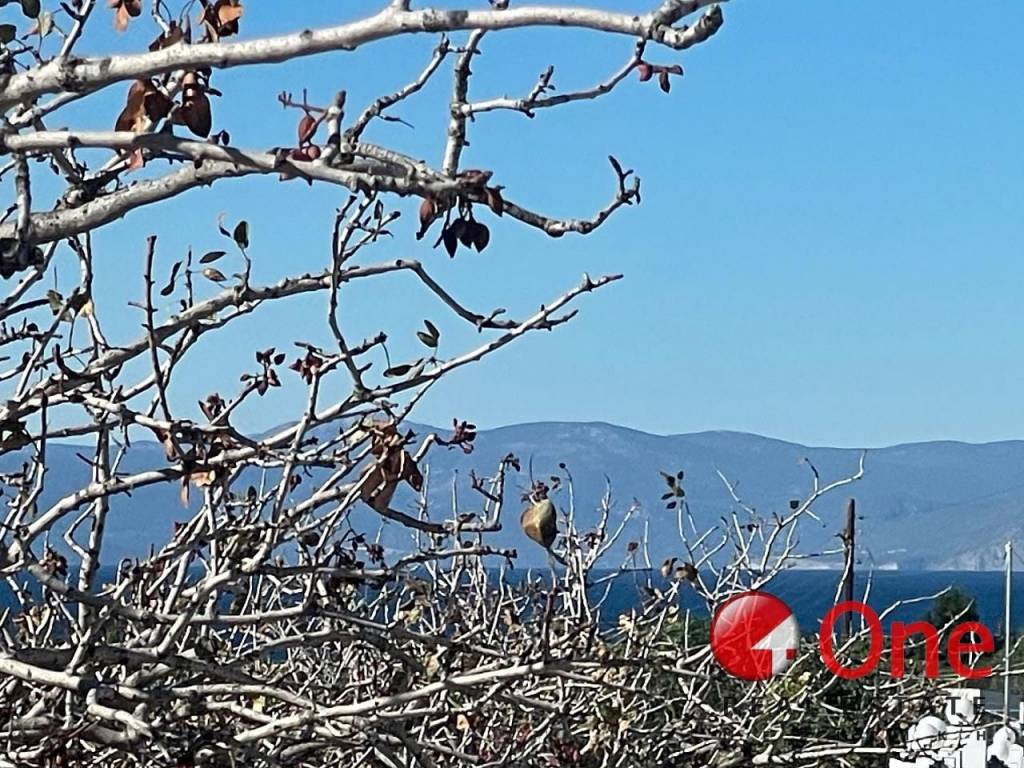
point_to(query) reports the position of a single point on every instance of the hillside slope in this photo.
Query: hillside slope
(923, 505)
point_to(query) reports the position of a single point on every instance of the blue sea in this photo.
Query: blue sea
(810, 594)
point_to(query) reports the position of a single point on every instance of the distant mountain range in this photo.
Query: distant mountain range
(936, 505)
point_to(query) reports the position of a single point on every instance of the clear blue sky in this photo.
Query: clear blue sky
(829, 249)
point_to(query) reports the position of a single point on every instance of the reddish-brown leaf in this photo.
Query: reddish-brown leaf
(124, 10)
(481, 236)
(134, 110)
(307, 128)
(222, 17)
(644, 70)
(663, 81)
(428, 212)
(157, 105)
(228, 14)
(136, 160)
(145, 102)
(195, 106)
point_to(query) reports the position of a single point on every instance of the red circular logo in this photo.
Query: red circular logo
(754, 636)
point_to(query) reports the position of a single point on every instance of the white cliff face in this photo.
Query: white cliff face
(985, 557)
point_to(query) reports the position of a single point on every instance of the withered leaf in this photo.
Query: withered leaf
(157, 105)
(644, 70)
(214, 274)
(458, 230)
(123, 11)
(450, 240)
(466, 231)
(663, 81)
(7, 33)
(481, 236)
(55, 300)
(136, 159)
(222, 17)
(194, 111)
(134, 110)
(145, 102)
(168, 289)
(30, 8)
(203, 479)
(229, 11)
(211, 256)
(427, 214)
(307, 129)
(241, 234)
(398, 370)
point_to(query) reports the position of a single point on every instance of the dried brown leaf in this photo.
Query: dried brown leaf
(168, 289)
(307, 129)
(214, 274)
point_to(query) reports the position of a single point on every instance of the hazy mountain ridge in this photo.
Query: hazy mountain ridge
(923, 505)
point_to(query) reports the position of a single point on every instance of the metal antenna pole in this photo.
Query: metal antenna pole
(1006, 635)
(851, 554)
